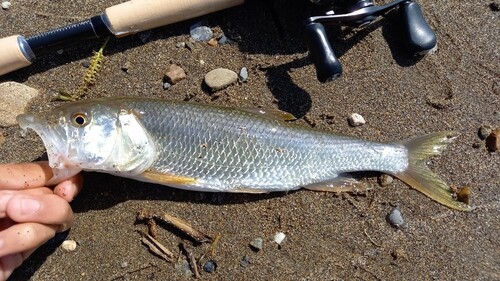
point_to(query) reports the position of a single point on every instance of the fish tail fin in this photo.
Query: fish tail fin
(420, 177)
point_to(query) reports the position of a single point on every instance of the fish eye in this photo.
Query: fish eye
(80, 119)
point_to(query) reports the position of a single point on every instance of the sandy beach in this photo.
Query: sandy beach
(328, 236)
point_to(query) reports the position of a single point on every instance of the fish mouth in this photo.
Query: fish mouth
(51, 138)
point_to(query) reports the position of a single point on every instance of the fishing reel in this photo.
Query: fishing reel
(418, 36)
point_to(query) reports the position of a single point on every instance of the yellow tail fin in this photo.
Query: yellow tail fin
(420, 177)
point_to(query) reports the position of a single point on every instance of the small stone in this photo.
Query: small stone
(463, 195)
(14, 98)
(200, 33)
(6, 5)
(174, 74)
(223, 40)
(243, 74)
(69, 245)
(183, 268)
(484, 131)
(126, 66)
(166, 86)
(279, 237)
(86, 63)
(257, 244)
(213, 42)
(123, 264)
(395, 218)
(245, 261)
(202, 62)
(220, 78)
(180, 45)
(493, 140)
(385, 180)
(60, 51)
(356, 120)
(210, 266)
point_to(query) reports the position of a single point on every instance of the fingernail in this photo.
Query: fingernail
(29, 206)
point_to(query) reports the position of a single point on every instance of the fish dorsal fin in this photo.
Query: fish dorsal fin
(271, 113)
(342, 183)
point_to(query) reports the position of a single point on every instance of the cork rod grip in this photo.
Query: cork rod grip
(138, 15)
(12, 57)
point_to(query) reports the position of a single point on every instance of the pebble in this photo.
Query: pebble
(356, 120)
(6, 5)
(245, 261)
(395, 218)
(385, 180)
(123, 264)
(60, 51)
(69, 245)
(279, 237)
(86, 63)
(257, 244)
(210, 266)
(243, 74)
(213, 42)
(493, 140)
(174, 74)
(183, 268)
(200, 33)
(484, 131)
(223, 40)
(14, 98)
(220, 78)
(180, 45)
(166, 86)
(126, 66)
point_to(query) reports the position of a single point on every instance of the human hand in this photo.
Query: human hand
(30, 212)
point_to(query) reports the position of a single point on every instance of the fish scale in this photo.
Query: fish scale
(239, 149)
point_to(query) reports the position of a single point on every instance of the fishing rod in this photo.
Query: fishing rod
(120, 20)
(138, 15)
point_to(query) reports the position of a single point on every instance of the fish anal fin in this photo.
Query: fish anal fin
(167, 179)
(271, 113)
(247, 190)
(342, 183)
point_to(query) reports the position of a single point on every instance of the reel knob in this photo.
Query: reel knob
(328, 67)
(420, 38)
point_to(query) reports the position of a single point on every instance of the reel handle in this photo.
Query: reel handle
(420, 38)
(328, 67)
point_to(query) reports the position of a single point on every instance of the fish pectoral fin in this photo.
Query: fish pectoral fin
(271, 113)
(342, 183)
(167, 179)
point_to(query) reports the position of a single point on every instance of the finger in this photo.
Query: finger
(47, 209)
(6, 195)
(24, 237)
(9, 263)
(25, 175)
(68, 189)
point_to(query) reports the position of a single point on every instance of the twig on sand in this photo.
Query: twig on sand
(156, 247)
(182, 225)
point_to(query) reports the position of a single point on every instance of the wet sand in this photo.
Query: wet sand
(328, 236)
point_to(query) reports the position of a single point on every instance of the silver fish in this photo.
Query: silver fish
(221, 149)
